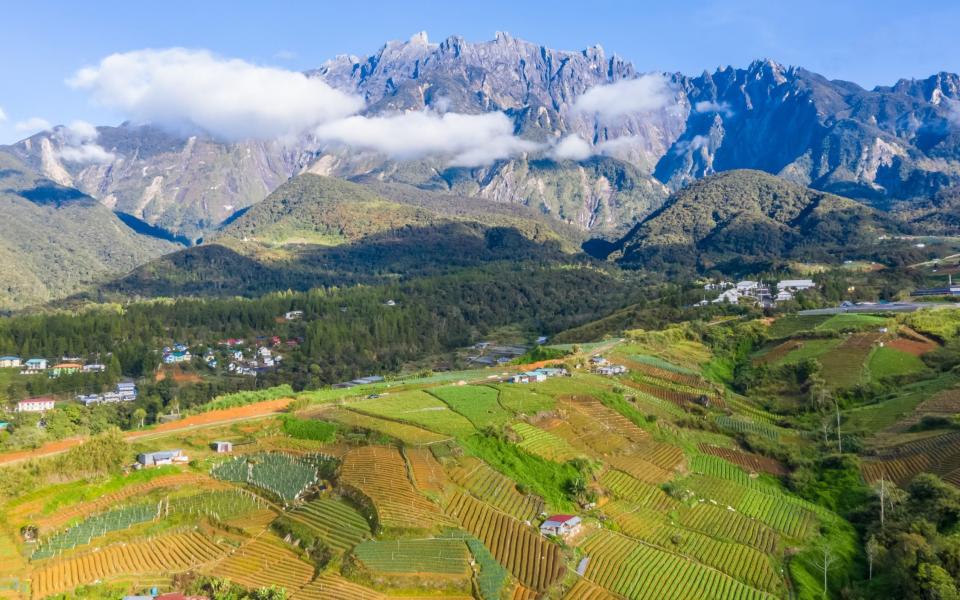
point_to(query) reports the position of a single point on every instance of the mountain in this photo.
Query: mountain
(55, 240)
(322, 231)
(741, 218)
(886, 145)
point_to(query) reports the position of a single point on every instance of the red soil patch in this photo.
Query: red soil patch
(914, 347)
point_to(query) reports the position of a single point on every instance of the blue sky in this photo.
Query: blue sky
(870, 43)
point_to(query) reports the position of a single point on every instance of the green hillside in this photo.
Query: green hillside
(738, 218)
(56, 240)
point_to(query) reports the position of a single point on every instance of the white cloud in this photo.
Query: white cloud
(693, 144)
(705, 106)
(32, 125)
(468, 140)
(3, 115)
(572, 147)
(953, 111)
(647, 93)
(78, 144)
(285, 55)
(229, 98)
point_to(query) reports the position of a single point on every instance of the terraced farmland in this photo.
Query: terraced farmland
(630, 488)
(495, 489)
(775, 510)
(380, 474)
(331, 586)
(416, 408)
(755, 463)
(741, 562)
(436, 556)
(408, 434)
(524, 401)
(900, 464)
(165, 554)
(640, 469)
(743, 426)
(282, 474)
(544, 444)
(845, 365)
(263, 562)
(637, 571)
(607, 418)
(427, 473)
(338, 524)
(534, 561)
(478, 403)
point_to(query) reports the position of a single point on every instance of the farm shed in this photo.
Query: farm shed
(165, 457)
(561, 525)
(222, 447)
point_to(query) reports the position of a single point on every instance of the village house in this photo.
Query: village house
(176, 356)
(528, 377)
(795, 285)
(165, 457)
(35, 405)
(731, 296)
(7, 362)
(561, 525)
(65, 368)
(293, 315)
(94, 368)
(610, 370)
(34, 365)
(124, 392)
(598, 360)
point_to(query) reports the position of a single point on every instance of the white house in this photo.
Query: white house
(293, 315)
(38, 364)
(611, 370)
(732, 296)
(9, 361)
(747, 286)
(795, 285)
(783, 296)
(561, 525)
(35, 405)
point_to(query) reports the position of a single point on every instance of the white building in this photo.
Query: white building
(35, 405)
(795, 285)
(561, 525)
(732, 296)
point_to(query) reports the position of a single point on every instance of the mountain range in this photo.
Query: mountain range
(887, 144)
(893, 148)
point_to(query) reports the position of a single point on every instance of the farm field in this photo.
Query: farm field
(379, 474)
(408, 434)
(845, 365)
(890, 362)
(416, 408)
(495, 489)
(478, 403)
(337, 523)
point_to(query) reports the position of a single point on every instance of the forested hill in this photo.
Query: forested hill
(55, 240)
(330, 211)
(730, 220)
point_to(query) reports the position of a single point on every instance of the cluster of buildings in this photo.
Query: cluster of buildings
(34, 366)
(179, 353)
(757, 291)
(240, 360)
(263, 358)
(602, 366)
(368, 380)
(126, 391)
(35, 405)
(538, 375)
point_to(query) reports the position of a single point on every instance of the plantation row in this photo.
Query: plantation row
(284, 475)
(380, 473)
(221, 504)
(496, 489)
(629, 488)
(640, 469)
(408, 434)
(742, 426)
(679, 398)
(178, 480)
(330, 586)
(492, 576)
(755, 463)
(637, 571)
(165, 554)
(686, 379)
(900, 464)
(775, 510)
(534, 561)
(718, 522)
(427, 473)
(545, 444)
(585, 590)
(416, 408)
(608, 418)
(739, 561)
(437, 556)
(264, 562)
(336, 523)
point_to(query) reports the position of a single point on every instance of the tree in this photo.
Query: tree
(874, 549)
(822, 560)
(140, 416)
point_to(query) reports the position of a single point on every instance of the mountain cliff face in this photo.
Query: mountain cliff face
(894, 143)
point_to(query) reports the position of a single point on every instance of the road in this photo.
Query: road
(225, 416)
(879, 308)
